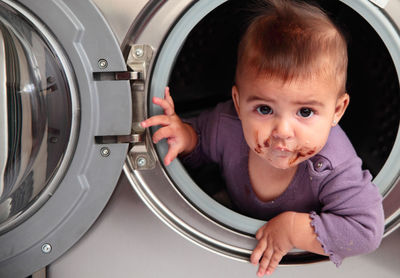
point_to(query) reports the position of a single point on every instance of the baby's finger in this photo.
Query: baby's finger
(173, 152)
(258, 251)
(265, 262)
(168, 97)
(156, 120)
(274, 262)
(260, 233)
(162, 133)
(165, 105)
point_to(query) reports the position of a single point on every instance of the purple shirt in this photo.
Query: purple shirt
(345, 206)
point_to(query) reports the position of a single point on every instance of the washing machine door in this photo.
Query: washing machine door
(59, 100)
(191, 39)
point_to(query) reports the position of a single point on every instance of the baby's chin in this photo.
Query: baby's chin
(279, 163)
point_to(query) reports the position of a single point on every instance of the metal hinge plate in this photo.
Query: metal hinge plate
(138, 61)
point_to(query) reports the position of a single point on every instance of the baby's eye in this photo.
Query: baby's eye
(305, 112)
(264, 110)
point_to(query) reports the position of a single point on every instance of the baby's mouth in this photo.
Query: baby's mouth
(281, 151)
(281, 148)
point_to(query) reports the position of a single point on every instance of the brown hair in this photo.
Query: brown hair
(291, 40)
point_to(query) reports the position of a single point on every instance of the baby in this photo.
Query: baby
(283, 156)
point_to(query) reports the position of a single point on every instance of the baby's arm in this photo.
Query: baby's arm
(181, 137)
(350, 222)
(281, 234)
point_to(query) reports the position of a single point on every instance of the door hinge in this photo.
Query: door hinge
(127, 75)
(139, 59)
(138, 62)
(119, 139)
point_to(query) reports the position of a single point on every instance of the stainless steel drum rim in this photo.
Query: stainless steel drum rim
(210, 224)
(75, 115)
(389, 174)
(174, 222)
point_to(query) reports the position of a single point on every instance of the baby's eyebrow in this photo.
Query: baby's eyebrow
(309, 102)
(257, 98)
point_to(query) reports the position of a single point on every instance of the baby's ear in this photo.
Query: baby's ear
(341, 105)
(235, 97)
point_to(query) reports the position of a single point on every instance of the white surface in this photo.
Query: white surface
(380, 3)
(129, 241)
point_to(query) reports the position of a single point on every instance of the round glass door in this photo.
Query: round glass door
(37, 119)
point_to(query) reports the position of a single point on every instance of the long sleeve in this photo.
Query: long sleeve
(207, 127)
(350, 221)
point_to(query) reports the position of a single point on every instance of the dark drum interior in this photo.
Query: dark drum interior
(204, 70)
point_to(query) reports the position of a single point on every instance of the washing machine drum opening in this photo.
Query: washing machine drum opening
(204, 74)
(198, 60)
(35, 118)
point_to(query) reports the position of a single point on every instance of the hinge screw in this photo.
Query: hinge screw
(46, 248)
(141, 161)
(105, 151)
(102, 63)
(139, 52)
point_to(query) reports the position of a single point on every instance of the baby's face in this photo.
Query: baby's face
(287, 123)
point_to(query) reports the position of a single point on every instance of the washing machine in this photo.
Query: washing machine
(83, 190)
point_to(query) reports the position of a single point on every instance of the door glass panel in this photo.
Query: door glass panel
(35, 117)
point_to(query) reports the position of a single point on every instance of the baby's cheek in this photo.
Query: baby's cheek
(301, 154)
(267, 142)
(258, 148)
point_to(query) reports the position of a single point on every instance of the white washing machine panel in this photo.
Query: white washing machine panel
(114, 56)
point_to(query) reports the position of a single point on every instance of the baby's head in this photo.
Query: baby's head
(290, 81)
(292, 40)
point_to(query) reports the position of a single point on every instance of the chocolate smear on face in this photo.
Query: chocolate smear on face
(267, 143)
(301, 153)
(257, 149)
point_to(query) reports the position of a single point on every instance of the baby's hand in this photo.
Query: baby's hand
(274, 241)
(181, 137)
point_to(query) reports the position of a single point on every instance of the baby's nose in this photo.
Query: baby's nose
(283, 129)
